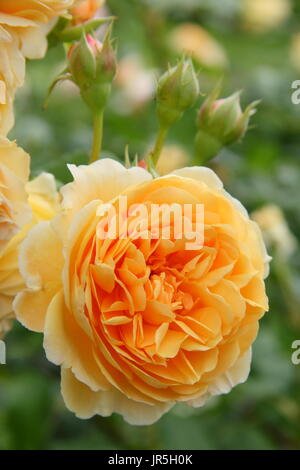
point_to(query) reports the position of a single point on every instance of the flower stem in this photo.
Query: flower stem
(160, 140)
(97, 137)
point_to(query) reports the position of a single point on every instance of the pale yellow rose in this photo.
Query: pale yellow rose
(44, 202)
(171, 158)
(30, 21)
(12, 75)
(24, 25)
(7, 118)
(140, 324)
(40, 11)
(14, 209)
(136, 84)
(275, 229)
(192, 39)
(14, 172)
(264, 15)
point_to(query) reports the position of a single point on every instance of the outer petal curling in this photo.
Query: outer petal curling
(136, 323)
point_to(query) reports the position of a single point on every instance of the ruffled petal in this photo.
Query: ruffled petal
(85, 403)
(43, 279)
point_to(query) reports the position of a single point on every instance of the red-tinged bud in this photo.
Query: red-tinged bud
(92, 66)
(221, 122)
(82, 60)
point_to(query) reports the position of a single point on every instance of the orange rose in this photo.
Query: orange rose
(85, 10)
(43, 201)
(14, 172)
(24, 25)
(41, 11)
(138, 324)
(29, 21)
(14, 209)
(192, 39)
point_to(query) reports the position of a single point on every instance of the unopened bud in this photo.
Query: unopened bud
(92, 66)
(178, 89)
(221, 122)
(82, 60)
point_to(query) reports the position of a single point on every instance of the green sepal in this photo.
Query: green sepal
(61, 78)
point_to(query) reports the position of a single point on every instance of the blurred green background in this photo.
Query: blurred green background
(263, 58)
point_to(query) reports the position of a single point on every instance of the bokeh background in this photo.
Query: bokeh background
(255, 46)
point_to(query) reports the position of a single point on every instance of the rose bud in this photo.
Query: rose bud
(221, 122)
(82, 59)
(178, 89)
(92, 66)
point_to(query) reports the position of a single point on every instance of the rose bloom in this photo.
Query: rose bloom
(14, 209)
(193, 39)
(42, 199)
(275, 230)
(138, 324)
(12, 75)
(136, 84)
(172, 157)
(6, 111)
(85, 10)
(264, 15)
(24, 25)
(14, 173)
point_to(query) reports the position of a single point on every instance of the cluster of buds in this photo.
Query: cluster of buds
(178, 90)
(221, 122)
(92, 67)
